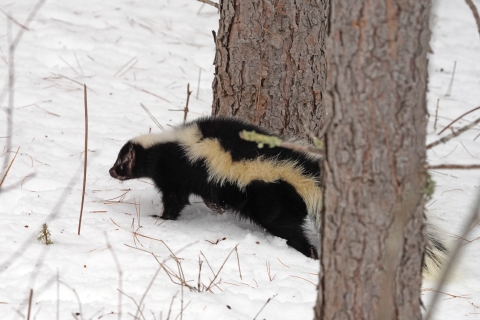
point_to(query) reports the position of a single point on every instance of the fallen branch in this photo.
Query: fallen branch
(454, 166)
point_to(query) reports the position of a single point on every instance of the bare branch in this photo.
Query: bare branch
(85, 154)
(265, 305)
(210, 3)
(453, 134)
(463, 115)
(475, 13)
(454, 166)
(186, 106)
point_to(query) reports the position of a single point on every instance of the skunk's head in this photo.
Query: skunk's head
(124, 167)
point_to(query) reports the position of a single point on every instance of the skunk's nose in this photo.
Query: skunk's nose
(113, 174)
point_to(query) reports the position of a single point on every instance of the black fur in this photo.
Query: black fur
(276, 206)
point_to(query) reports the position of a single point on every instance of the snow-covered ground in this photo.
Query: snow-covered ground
(132, 52)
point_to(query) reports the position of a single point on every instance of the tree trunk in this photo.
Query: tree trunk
(375, 160)
(270, 63)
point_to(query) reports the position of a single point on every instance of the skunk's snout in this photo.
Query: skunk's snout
(115, 174)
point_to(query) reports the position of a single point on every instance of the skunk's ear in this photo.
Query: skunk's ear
(125, 164)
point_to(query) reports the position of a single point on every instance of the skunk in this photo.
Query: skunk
(276, 188)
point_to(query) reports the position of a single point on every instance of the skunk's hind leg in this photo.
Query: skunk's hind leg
(281, 211)
(173, 204)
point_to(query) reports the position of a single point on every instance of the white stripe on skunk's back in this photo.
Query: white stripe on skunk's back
(222, 168)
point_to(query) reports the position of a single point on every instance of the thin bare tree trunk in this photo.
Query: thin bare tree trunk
(270, 63)
(375, 160)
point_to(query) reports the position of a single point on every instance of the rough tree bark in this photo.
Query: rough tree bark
(375, 159)
(270, 63)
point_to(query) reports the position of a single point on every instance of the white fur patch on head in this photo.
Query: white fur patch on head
(182, 134)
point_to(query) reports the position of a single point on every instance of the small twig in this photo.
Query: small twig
(471, 222)
(78, 64)
(143, 90)
(30, 304)
(126, 64)
(85, 161)
(450, 86)
(265, 305)
(9, 166)
(210, 3)
(463, 115)
(68, 65)
(198, 86)
(454, 166)
(171, 303)
(181, 311)
(219, 270)
(436, 116)
(453, 134)
(475, 13)
(186, 106)
(134, 301)
(283, 263)
(199, 272)
(304, 279)
(238, 260)
(267, 263)
(152, 117)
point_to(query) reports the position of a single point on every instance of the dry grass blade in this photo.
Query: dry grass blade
(134, 301)
(152, 117)
(143, 90)
(265, 305)
(77, 296)
(146, 291)
(120, 275)
(9, 166)
(453, 257)
(238, 260)
(171, 304)
(85, 161)
(219, 270)
(30, 304)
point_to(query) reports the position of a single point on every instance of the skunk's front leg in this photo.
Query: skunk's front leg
(173, 204)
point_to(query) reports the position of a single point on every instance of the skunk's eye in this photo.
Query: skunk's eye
(121, 167)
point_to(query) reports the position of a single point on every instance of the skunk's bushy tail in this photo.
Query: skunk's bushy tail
(436, 252)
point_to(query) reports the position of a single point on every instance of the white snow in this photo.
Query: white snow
(132, 52)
